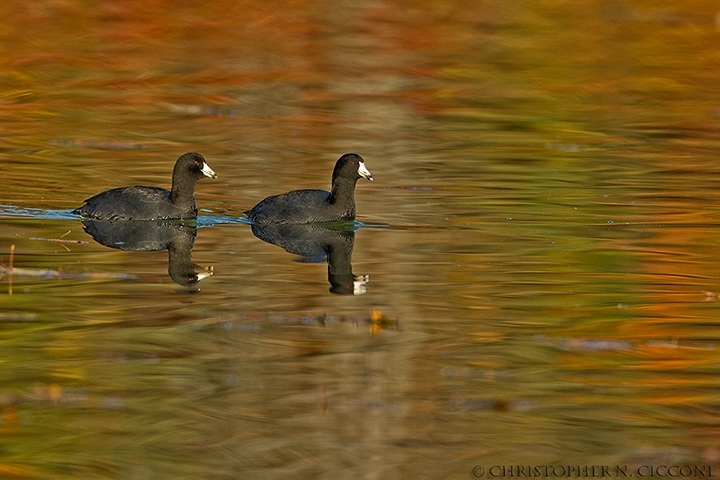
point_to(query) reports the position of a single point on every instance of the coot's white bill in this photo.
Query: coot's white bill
(208, 172)
(364, 172)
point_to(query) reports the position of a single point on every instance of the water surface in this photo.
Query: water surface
(540, 240)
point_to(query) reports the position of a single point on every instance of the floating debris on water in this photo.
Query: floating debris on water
(99, 144)
(10, 271)
(377, 321)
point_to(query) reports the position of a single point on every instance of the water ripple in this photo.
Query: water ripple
(50, 214)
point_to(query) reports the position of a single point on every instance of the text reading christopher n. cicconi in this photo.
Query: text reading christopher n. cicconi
(595, 471)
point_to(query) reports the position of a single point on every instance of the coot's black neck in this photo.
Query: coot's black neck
(343, 196)
(183, 192)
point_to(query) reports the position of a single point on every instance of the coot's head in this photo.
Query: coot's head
(192, 165)
(352, 166)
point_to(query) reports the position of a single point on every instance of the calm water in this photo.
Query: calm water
(541, 240)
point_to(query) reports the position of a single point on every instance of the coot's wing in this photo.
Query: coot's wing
(298, 206)
(129, 203)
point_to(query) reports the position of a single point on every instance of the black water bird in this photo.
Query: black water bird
(152, 203)
(316, 206)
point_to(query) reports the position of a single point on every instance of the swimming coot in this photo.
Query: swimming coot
(314, 206)
(152, 203)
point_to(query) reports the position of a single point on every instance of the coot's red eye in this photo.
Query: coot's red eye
(352, 163)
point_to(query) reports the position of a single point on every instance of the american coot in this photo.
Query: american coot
(152, 203)
(314, 206)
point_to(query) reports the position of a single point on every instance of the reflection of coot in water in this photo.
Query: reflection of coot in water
(151, 236)
(318, 243)
(315, 206)
(152, 203)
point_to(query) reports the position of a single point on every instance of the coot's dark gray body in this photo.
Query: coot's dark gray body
(315, 206)
(152, 203)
